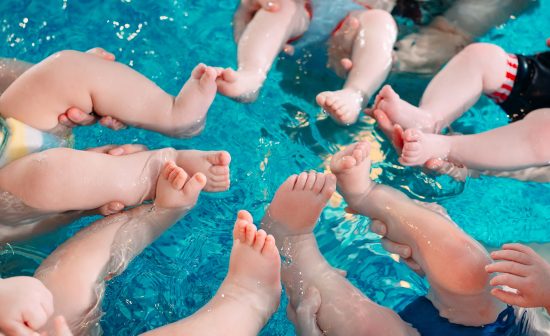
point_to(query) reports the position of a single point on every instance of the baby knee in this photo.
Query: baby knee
(376, 15)
(481, 51)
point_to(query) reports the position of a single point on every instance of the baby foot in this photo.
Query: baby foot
(309, 191)
(254, 267)
(242, 86)
(343, 105)
(352, 168)
(213, 164)
(194, 100)
(401, 112)
(419, 147)
(175, 190)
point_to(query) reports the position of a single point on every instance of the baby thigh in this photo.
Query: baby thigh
(63, 179)
(49, 88)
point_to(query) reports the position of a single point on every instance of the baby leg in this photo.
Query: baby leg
(521, 144)
(248, 296)
(479, 68)
(459, 289)
(262, 40)
(88, 82)
(371, 58)
(76, 272)
(83, 180)
(10, 70)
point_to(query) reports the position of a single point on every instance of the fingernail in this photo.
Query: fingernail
(117, 206)
(117, 151)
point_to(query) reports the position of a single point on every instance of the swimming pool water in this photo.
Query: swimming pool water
(281, 134)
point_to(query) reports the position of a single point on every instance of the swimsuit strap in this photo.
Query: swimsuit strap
(6, 130)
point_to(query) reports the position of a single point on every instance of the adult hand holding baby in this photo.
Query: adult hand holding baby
(401, 250)
(26, 305)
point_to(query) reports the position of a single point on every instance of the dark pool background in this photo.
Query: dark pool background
(283, 133)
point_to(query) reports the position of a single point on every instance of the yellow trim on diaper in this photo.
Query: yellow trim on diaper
(16, 147)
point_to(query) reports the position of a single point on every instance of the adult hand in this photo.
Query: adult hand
(26, 305)
(403, 251)
(522, 269)
(75, 117)
(119, 150)
(246, 11)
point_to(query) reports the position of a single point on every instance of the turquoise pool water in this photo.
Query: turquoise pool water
(281, 134)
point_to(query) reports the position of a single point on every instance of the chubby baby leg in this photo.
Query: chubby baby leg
(261, 41)
(479, 68)
(521, 144)
(366, 64)
(248, 296)
(76, 272)
(83, 180)
(91, 83)
(461, 291)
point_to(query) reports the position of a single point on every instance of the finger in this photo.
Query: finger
(111, 208)
(127, 149)
(401, 250)
(64, 120)
(384, 123)
(414, 266)
(378, 227)
(35, 318)
(289, 49)
(270, 5)
(112, 123)
(509, 267)
(509, 280)
(508, 297)
(80, 117)
(519, 248)
(61, 327)
(102, 149)
(397, 137)
(18, 329)
(511, 255)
